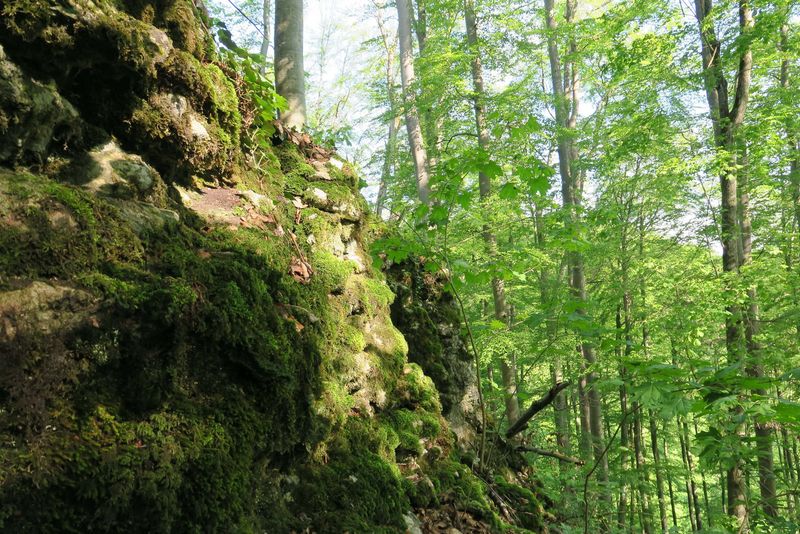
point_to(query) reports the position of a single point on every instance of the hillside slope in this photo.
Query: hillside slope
(192, 333)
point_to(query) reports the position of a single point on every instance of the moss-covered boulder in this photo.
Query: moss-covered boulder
(192, 343)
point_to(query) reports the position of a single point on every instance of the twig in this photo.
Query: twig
(248, 19)
(552, 454)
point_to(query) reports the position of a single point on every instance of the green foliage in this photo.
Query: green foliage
(259, 89)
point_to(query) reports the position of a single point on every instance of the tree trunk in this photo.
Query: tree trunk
(662, 506)
(689, 480)
(407, 77)
(266, 26)
(669, 484)
(389, 156)
(388, 163)
(501, 312)
(641, 471)
(583, 407)
(624, 440)
(766, 468)
(289, 73)
(566, 110)
(684, 428)
(726, 119)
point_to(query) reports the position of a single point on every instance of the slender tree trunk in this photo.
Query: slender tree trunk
(662, 506)
(766, 468)
(723, 491)
(266, 26)
(566, 119)
(792, 498)
(431, 127)
(669, 483)
(791, 477)
(501, 311)
(726, 119)
(690, 463)
(407, 77)
(624, 440)
(641, 471)
(388, 163)
(689, 480)
(705, 487)
(289, 73)
(560, 406)
(389, 157)
(583, 407)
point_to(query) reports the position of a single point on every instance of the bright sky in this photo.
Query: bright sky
(334, 32)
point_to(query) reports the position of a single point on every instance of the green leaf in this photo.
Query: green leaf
(508, 192)
(787, 412)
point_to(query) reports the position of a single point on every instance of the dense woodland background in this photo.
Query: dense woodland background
(589, 209)
(613, 189)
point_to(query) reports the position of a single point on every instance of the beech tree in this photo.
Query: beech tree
(408, 78)
(501, 311)
(289, 72)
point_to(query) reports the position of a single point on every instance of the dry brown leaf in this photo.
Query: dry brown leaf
(300, 270)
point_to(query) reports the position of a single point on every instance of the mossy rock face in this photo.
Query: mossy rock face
(181, 19)
(183, 355)
(152, 381)
(34, 119)
(429, 319)
(143, 84)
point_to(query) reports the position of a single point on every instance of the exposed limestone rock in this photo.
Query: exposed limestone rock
(108, 170)
(43, 309)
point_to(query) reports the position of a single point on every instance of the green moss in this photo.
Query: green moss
(296, 170)
(330, 273)
(417, 389)
(182, 22)
(58, 230)
(346, 175)
(197, 337)
(185, 471)
(352, 494)
(454, 482)
(207, 88)
(529, 511)
(413, 428)
(170, 144)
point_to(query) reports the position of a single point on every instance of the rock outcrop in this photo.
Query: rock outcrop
(192, 335)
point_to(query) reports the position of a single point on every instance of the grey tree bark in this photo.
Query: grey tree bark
(764, 437)
(726, 118)
(289, 72)
(389, 156)
(662, 505)
(407, 77)
(266, 27)
(565, 99)
(501, 311)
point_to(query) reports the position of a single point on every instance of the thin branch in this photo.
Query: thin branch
(537, 406)
(248, 19)
(552, 454)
